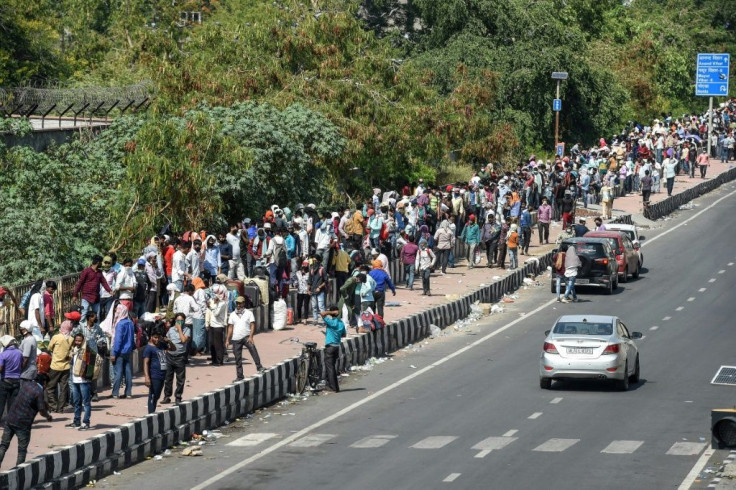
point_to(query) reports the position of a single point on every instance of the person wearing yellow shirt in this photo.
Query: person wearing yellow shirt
(341, 263)
(59, 346)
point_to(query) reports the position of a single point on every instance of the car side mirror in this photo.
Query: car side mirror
(636, 335)
(546, 332)
(641, 237)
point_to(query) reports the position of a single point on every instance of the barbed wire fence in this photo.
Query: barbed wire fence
(51, 100)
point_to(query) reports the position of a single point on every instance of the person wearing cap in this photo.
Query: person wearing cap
(178, 334)
(60, 347)
(241, 327)
(29, 349)
(383, 280)
(19, 421)
(11, 366)
(580, 229)
(512, 244)
(87, 288)
(334, 332)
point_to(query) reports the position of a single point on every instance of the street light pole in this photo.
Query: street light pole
(557, 117)
(557, 105)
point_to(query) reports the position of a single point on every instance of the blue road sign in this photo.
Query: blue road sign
(560, 150)
(556, 105)
(711, 78)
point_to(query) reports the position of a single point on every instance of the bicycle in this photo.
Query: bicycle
(309, 368)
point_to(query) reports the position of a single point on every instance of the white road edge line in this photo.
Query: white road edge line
(415, 374)
(666, 232)
(284, 442)
(535, 415)
(699, 464)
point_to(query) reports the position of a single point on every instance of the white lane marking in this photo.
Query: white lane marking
(252, 439)
(679, 308)
(350, 408)
(535, 415)
(712, 279)
(653, 328)
(622, 447)
(702, 290)
(691, 298)
(686, 448)
(666, 318)
(312, 440)
(704, 210)
(492, 444)
(556, 400)
(451, 477)
(372, 441)
(434, 442)
(556, 445)
(730, 264)
(510, 433)
(722, 271)
(695, 471)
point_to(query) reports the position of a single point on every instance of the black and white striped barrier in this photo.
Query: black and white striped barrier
(94, 458)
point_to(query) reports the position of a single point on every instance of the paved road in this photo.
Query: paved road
(480, 420)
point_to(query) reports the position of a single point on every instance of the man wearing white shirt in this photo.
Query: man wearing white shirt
(241, 326)
(179, 265)
(236, 270)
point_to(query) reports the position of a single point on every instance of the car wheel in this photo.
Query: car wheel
(635, 275)
(625, 277)
(615, 283)
(545, 383)
(637, 372)
(609, 290)
(623, 385)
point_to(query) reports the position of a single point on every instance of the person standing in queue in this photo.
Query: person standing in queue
(241, 326)
(179, 334)
(154, 365)
(333, 334)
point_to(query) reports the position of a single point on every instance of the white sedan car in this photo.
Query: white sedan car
(633, 233)
(590, 347)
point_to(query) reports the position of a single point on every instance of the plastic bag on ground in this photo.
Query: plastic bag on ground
(279, 315)
(435, 331)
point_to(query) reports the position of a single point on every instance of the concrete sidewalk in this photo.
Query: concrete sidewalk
(276, 346)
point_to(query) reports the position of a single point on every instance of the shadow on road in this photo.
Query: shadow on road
(592, 385)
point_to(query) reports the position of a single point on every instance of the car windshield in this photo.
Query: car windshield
(613, 242)
(583, 328)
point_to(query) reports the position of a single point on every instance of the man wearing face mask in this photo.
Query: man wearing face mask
(193, 259)
(260, 247)
(126, 284)
(241, 326)
(212, 260)
(179, 335)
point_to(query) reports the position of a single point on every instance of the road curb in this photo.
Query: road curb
(663, 208)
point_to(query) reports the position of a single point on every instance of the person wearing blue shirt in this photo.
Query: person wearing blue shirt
(212, 260)
(333, 334)
(526, 229)
(382, 282)
(123, 346)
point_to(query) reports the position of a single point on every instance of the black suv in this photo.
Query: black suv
(599, 267)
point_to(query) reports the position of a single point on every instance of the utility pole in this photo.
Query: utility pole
(710, 122)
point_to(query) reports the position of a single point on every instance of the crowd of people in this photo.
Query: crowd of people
(192, 293)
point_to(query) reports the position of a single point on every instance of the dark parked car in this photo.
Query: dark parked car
(598, 263)
(627, 256)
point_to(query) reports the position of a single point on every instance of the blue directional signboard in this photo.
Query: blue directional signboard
(557, 105)
(711, 78)
(560, 150)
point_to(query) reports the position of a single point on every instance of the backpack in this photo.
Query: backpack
(141, 285)
(280, 257)
(384, 232)
(371, 321)
(560, 261)
(43, 363)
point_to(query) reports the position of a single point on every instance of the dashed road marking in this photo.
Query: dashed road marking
(712, 279)
(702, 290)
(686, 448)
(535, 415)
(556, 445)
(722, 271)
(691, 298)
(510, 433)
(666, 318)
(252, 439)
(730, 264)
(451, 477)
(655, 327)
(556, 400)
(492, 444)
(622, 447)
(434, 442)
(372, 441)
(312, 440)
(679, 308)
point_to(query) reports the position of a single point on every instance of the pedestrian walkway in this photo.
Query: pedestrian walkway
(274, 346)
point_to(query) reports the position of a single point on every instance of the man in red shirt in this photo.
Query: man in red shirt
(88, 286)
